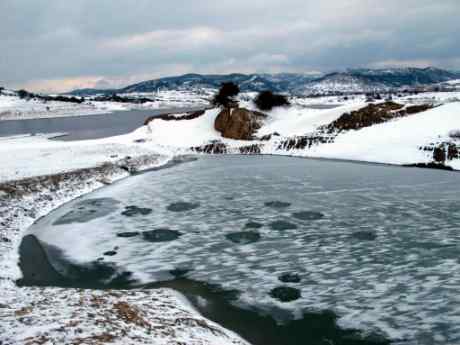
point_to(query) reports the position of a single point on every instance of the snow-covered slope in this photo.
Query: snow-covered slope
(399, 141)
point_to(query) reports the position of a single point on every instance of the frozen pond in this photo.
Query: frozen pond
(84, 127)
(377, 245)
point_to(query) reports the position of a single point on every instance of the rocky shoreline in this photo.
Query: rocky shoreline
(75, 316)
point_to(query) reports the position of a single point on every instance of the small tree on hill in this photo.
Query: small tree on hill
(23, 94)
(226, 95)
(267, 100)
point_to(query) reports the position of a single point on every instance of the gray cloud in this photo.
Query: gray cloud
(53, 44)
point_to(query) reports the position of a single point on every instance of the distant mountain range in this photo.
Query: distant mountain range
(353, 80)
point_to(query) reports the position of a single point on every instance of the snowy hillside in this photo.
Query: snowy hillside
(409, 139)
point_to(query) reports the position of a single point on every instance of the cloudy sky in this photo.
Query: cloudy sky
(57, 45)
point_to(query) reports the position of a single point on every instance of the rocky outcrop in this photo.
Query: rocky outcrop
(218, 147)
(445, 152)
(373, 114)
(442, 153)
(214, 147)
(304, 141)
(254, 149)
(238, 123)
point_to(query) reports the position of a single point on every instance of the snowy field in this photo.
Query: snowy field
(28, 156)
(14, 108)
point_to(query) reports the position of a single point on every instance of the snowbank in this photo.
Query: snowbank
(300, 120)
(28, 156)
(398, 141)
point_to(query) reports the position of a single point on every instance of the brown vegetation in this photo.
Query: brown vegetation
(373, 114)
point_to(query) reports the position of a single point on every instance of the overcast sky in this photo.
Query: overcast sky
(57, 45)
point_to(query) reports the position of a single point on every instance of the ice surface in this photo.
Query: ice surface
(384, 255)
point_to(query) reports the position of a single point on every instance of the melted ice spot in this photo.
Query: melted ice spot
(161, 235)
(277, 204)
(285, 293)
(88, 210)
(182, 206)
(244, 237)
(282, 225)
(308, 215)
(132, 211)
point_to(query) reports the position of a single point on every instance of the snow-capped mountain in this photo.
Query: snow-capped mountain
(371, 80)
(247, 82)
(349, 81)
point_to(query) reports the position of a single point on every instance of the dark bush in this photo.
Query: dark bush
(267, 100)
(22, 94)
(226, 95)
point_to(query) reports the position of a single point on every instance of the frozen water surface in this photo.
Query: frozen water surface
(378, 245)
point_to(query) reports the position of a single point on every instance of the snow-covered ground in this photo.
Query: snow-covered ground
(28, 156)
(105, 160)
(398, 141)
(14, 108)
(394, 142)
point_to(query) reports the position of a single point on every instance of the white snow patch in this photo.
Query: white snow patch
(394, 142)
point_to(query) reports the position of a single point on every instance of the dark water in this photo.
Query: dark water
(313, 328)
(292, 239)
(84, 127)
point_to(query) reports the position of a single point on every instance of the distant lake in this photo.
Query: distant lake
(85, 127)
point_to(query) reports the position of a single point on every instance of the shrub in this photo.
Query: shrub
(22, 94)
(226, 95)
(267, 100)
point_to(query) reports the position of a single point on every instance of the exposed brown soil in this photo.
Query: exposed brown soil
(130, 314)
